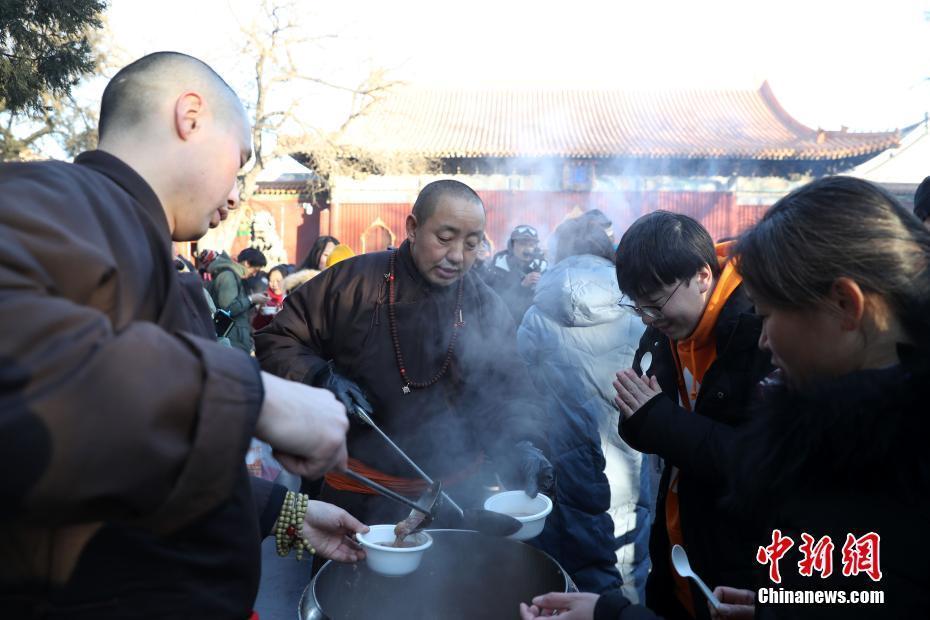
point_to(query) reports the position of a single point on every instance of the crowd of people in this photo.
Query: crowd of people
(738, 399)
(247, 296)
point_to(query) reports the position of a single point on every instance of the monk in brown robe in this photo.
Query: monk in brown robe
(420, 337)
(123, 423)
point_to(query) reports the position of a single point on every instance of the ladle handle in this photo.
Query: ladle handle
(367, 420)
(386, 491)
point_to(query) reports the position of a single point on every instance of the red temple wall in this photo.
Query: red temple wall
(349, 222)
(717, 211)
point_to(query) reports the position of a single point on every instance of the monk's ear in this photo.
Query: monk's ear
(188, 114)
(411, 228)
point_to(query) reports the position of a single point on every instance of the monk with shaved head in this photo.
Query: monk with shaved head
(123, 422)
(413, 339)
(182, 128)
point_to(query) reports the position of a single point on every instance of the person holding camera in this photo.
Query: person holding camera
(230, 293)
(515, 272)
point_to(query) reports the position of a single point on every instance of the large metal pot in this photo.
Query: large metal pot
(465, 575)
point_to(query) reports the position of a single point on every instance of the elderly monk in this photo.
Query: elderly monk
(123, 432)
(433, 350)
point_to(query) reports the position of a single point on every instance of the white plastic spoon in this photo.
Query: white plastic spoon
(683, 568)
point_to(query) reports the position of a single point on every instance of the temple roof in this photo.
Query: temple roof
(685, 124)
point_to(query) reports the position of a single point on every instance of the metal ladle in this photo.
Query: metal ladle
(364, 417)
(484, 521)
(426, 504)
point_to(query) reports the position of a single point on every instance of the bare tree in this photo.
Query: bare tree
(25, 135)
(63, 121)
(279, 45)
(287, 65)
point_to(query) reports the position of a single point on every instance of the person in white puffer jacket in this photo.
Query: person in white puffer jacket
(573, 338)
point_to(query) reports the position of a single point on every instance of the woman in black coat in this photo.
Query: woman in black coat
(839, 272)
(835, 459)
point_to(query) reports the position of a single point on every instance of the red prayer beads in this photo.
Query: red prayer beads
(457, 324)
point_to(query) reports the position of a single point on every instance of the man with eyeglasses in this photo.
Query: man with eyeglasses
(701, 357)
(515, 272)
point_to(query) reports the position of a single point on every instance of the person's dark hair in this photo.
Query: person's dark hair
(583, 235)
(429, 196)
(659, 249)
(312, 260)
(257, 283)
(284, 268)
(253, 255)
(597, 216)
(922, 200)
(127, 97)
(840, 227)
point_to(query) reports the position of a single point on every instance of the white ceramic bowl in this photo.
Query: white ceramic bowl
(391, 561)
(530, 511)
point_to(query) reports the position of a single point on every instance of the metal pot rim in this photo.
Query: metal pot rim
(309, 593)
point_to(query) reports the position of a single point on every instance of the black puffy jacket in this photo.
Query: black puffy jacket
(720, 547)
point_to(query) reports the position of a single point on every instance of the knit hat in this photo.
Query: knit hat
(339, 254)
(206, 257)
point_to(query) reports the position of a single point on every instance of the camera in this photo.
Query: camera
(537, 262)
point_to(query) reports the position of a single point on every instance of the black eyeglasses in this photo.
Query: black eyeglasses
(652, 312)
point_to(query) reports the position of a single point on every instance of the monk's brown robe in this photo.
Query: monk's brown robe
(122, 431)
(481, 407)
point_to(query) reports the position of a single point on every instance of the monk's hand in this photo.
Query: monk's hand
(526, 467)
(347, 391)
(634, 391)
(306, 427)
(331, 531)
(564, 605)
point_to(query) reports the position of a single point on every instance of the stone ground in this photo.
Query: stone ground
(283, 581)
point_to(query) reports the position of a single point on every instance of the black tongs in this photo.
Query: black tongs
(484, 521)
(426, 504)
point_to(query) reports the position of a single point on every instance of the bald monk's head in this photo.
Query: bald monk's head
(445, 229)
(183, 129)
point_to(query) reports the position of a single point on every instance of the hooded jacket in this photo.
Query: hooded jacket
(229, 293)
(505, 275)
(573, 339)
(297, 278)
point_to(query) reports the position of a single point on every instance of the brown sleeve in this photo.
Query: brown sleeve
(269, 499)
(99, 424)
(293, 346)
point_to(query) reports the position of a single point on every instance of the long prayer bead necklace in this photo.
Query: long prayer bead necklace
(392, 321)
